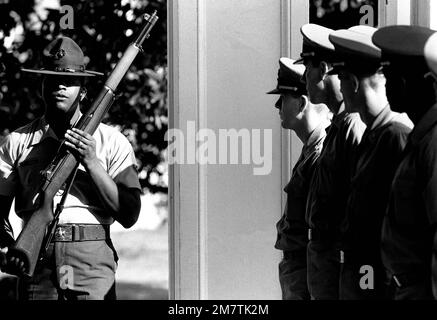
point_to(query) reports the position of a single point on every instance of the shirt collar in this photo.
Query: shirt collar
(428, 121)
(47, 131)
(314, 138)
(384, 117)
(315, 135)
(42, 131)
(337, 119)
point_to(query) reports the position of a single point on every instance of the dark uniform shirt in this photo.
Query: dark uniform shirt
(330, 183)
(412, 212)
(292, 227)
(379, 155)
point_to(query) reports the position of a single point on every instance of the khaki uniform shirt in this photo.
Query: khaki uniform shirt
(26, 152)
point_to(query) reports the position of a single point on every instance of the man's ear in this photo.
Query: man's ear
(303, 103)
(355, 83)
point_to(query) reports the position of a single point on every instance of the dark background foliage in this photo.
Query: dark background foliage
(340, 14)
(103, 29)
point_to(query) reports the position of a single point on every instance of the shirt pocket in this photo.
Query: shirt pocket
(297, 187)
(31, 171)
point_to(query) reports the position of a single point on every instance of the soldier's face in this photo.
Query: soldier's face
(314, 81)
(396, 89)
(291, 110)
(60, 93)
(348, 86)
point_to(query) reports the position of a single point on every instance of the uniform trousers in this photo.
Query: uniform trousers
(323, 259)
(73, 271)
(293, 277)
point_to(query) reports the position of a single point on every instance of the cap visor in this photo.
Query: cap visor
(299, 61)
(56, 73)
(274, 91)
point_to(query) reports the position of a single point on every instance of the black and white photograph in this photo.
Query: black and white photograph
(218, 150)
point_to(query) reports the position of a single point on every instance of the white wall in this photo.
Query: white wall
(223, 58)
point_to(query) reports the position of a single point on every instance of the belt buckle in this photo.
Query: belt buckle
(61, 234)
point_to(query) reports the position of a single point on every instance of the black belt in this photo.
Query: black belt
(81, 232)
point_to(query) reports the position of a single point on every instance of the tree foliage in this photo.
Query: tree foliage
(103, 29)
(339, 14)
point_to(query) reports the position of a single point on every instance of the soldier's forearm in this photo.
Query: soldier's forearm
(106, 187)
(122, 203)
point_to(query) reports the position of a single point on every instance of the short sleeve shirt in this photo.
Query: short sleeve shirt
(27, 152)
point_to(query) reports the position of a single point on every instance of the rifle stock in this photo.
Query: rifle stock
(28, 245)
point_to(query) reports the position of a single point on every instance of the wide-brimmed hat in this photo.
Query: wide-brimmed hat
(63, 57)
(290, 77)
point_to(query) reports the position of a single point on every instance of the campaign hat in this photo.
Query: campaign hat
(63, 57)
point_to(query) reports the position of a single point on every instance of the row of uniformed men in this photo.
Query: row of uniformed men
(360, 219)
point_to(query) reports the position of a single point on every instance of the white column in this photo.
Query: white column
(433, 15)
(223, 57)
(394, 12)
(184, 180)
(420, 12)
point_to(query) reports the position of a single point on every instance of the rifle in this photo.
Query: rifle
(28, 246)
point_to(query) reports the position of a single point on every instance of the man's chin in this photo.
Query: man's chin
(62, 106)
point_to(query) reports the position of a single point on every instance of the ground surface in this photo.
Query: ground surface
(143, 266)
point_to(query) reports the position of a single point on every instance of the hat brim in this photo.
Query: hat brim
(299, 61)
(86, 73)
(274, 91)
